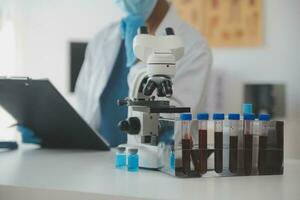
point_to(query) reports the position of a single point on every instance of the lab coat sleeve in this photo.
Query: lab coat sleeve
(92, 79)
(192, 77)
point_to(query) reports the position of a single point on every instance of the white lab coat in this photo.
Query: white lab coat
(189, 85)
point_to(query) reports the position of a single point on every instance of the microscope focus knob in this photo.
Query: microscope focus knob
(132, 126)
(123, 125)
(122, 102)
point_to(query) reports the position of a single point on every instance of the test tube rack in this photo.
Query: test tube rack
(201, 162)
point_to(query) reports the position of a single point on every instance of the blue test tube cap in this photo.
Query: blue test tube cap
(218, 116)
(247, 108)
(202, 116)
(186, 116)
(234, 116)
(264, 117)
(249, 116)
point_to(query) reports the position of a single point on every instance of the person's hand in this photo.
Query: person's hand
(28, 135)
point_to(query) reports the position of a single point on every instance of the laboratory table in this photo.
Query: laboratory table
(33, 173)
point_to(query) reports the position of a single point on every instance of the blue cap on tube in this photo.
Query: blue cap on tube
(202, 116)
(218, 116)
(186, 116)
(247, 108)
(234, 116)
(264, 117)
(249, 116)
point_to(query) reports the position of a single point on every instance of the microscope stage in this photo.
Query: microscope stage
(162, 109)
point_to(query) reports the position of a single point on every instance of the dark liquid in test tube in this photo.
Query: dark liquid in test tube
(262, 154)
(248, 142)
(186, 155)
(218, 152)
(233, 154)
(279, 145)
(203, 150)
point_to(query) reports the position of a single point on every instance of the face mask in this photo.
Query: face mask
(142, 8)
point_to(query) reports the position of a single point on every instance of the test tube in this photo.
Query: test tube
(187, 141)
(172, 157)
(120, 159)
(262, 144)
(247, 108)
(218, 134)
(234, 122)
(248, 141)
(202, 137)
(133, 160)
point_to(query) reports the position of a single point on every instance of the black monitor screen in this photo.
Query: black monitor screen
(77, 53)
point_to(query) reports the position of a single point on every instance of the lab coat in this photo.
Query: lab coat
(189, 84)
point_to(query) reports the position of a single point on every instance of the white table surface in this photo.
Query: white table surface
(33, 173)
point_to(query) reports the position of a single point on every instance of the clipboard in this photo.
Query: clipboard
(38, 105)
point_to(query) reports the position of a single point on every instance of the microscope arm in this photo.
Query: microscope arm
(135, 93)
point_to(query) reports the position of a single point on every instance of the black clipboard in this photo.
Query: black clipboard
(38, 105)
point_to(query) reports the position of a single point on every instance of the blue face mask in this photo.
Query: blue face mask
(129, 27)
(142, 8)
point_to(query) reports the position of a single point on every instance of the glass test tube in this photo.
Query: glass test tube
(133, 160)
(262, 145)
(187, 142)
(218, 136)
(172, 157)
(202, 137)
(248, 142)
(120, 158)
(234, 121)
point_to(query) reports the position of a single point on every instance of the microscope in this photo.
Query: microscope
(149, 98)
(153, 126)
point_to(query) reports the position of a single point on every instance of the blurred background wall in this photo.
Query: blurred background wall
(40, 31)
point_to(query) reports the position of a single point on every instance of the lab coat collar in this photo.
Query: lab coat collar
(171, 19)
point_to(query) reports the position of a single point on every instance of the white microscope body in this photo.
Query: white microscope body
(160, 53)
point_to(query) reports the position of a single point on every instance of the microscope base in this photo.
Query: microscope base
(149, 156)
